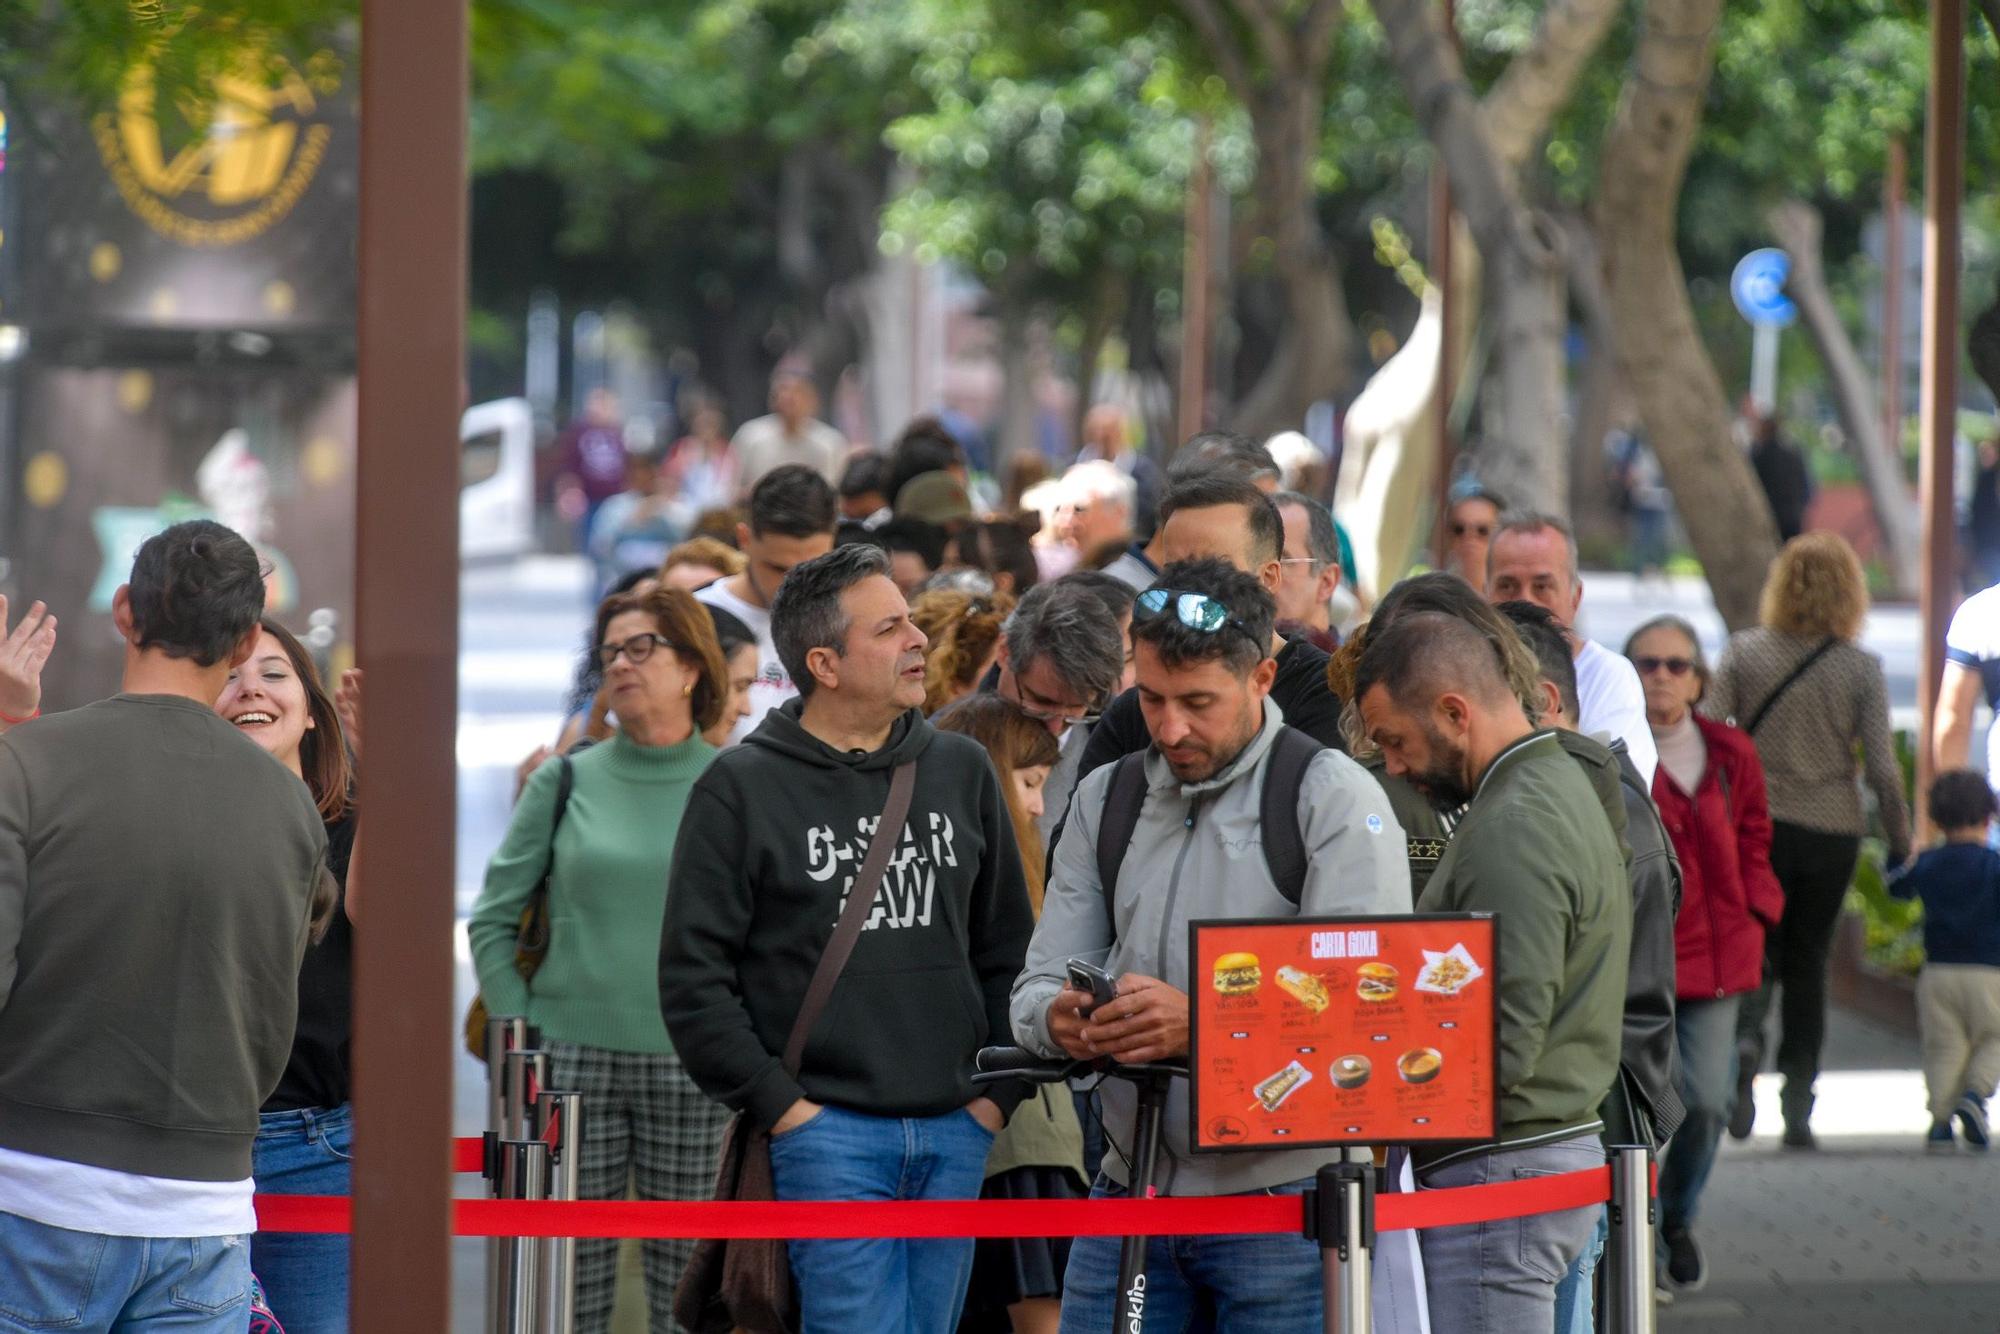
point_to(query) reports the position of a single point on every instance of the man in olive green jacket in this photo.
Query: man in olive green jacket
(1535, 848)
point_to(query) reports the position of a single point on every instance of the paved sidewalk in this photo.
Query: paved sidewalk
(1866, 1233)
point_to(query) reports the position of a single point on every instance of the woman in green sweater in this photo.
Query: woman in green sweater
(596, 997)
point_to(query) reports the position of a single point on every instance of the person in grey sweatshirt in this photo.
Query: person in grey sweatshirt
(158, 872)
(1203, 636)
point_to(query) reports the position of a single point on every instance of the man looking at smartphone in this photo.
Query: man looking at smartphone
(1185, 829)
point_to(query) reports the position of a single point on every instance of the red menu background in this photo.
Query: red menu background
(1242, 1039)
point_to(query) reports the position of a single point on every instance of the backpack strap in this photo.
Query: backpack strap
(1292, 751)
(1122, 802)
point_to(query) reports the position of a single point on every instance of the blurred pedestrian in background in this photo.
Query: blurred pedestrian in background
(1810, 697)
(1710, 792)
(739, 657)
(1310, 571)
(1470, 523)
(1781, 470)
(590, 462)
(1000, 549)
(1107, 438)
(699, 562)
(1094, 515)
(788, 434)
(702, 472)
(601, 826)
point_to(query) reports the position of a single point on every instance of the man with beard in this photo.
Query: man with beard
(1533, 846)
(1223, 775)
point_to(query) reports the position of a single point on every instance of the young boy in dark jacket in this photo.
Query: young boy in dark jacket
(1958, 993)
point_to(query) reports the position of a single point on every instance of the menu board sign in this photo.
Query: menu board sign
(1343, 1030)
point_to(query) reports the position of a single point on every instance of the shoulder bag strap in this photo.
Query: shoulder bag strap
(860, 900)
(533, 934)
(1786, 684)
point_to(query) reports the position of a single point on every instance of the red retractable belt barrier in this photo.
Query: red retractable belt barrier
(1167, 1216)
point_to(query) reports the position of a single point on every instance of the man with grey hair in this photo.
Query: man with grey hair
(1061, 656)
(1309, 571)
(1095, 512)
(1533, 559)
(879, 1102)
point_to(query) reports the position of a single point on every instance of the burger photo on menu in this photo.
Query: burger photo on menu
(1237, 974)
(1376, 982)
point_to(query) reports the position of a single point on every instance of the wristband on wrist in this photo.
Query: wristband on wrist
(12, 721)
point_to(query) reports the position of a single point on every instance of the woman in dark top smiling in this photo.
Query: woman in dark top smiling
(305, 1140)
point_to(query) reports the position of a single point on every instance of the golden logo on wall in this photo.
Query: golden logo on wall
(243, 169)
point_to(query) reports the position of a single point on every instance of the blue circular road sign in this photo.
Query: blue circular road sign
(1758, 287)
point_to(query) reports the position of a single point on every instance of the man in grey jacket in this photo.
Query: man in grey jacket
(1202, 637)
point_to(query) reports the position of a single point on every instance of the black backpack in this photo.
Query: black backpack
(1284, 842)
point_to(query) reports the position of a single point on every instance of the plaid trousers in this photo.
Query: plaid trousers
(644, 1121)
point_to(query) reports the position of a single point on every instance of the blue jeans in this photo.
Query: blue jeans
(881, 1285)
(1574, 1310)
(54, 1279)
(1706, 1030)
(304, 1275)
(1499, 1277)
(1244, 1285)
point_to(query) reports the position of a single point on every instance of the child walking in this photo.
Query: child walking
(1958, 993)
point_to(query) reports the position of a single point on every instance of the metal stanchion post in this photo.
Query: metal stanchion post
(522, 1073)
(1629, 1277)
(524, 1168)
(559, 1122)
(1340, 1216)
(504, 1034)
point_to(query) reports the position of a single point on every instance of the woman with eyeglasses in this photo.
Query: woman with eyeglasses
(596, 997)
(1469, 526)
(1710, 790)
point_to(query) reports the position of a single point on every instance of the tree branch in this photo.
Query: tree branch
(1273, 39)
(1209, 20)
(1538, 81)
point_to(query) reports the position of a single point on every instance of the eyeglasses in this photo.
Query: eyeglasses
(1197, 611)
(1475, 529)
(1674, 666)
(636, 650)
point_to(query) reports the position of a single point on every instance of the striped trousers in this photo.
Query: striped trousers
(646, 1124)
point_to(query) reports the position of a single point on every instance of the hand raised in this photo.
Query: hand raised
(23, 653)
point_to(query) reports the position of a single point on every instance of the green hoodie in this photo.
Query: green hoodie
(1536, 848)
(773, 836)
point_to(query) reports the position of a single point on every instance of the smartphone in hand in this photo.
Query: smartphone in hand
(1085, 976)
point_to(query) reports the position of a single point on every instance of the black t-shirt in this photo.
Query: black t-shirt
(1299, 690)
(316, 1072)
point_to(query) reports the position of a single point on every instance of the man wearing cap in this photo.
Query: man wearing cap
(935, 498)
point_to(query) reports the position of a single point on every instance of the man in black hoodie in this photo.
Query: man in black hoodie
(882, 1106)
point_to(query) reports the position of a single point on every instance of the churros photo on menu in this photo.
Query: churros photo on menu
(1273, 1091)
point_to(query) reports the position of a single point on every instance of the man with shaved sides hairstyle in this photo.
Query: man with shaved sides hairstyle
(1535, 848)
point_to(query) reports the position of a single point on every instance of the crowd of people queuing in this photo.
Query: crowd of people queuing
(1095, 691)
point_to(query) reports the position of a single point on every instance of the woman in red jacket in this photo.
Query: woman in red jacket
(1710, 790)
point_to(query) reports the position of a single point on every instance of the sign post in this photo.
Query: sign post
(1757, 285)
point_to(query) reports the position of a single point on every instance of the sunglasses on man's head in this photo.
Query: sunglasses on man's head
(1197, 611)
(1674, 666)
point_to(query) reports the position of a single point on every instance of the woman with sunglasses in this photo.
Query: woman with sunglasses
(1710, 790)
(596, 996)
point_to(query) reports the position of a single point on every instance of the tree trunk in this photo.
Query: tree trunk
(1984, 344)
(1316, 342)
(1798, 228)
(1520, 456)
(1590, 507)
(1017, 391)
(1107, 303)
(1679, 393)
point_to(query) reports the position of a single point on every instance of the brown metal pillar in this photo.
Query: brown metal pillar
(411, 329)
(1448, 351)
(1894, 188)
(1195, 283)
(1944, 189)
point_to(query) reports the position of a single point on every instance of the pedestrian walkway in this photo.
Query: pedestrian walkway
(1867, 1233)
